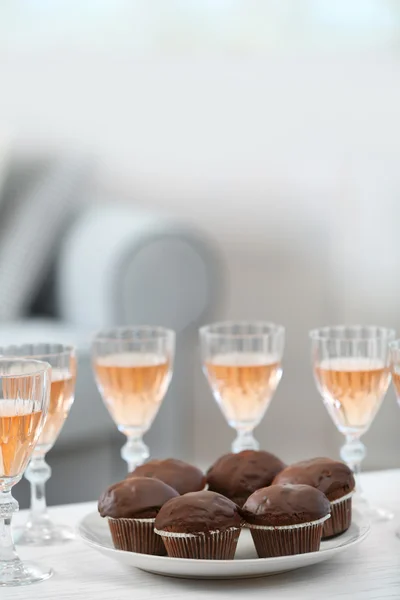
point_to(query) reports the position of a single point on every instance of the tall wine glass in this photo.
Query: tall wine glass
(40, 529)
(242, 362)
(395, 361)
(24, 399)
(352, 372)
(133, 369)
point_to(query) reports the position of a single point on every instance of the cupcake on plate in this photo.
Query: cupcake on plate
(199, 525)
(130, 507)
(334, 479)
(237, 476)
(180, 475)
(286, 519)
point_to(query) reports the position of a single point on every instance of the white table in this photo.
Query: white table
(370, 571)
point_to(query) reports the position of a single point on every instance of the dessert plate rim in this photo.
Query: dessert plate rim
(93, 530)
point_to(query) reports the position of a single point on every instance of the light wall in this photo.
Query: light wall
(251, 149)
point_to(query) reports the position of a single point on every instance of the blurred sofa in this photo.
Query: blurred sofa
(70, 265)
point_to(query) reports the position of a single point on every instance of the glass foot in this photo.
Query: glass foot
(16, 572)
(47, 534)
(372, 513)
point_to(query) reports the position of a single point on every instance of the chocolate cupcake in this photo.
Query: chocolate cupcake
(331, 477)
(131, 507)
(180, 475)
(237, 476)
(199, 525)
(286, 519)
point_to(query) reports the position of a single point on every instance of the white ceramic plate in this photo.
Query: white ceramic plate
(94, 531)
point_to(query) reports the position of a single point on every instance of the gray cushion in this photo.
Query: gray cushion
(36, 210)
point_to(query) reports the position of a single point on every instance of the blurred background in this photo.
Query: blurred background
(179, 162)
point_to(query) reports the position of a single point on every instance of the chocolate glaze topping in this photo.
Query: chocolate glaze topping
(236, 476)
(285, 505)
(176, 473)
(331, 477)
(198, 512)
(137, 497)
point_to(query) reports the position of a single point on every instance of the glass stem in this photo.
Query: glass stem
(245, 441)
(37, 473)
(8, 505)
(135, 451)
(353, 453)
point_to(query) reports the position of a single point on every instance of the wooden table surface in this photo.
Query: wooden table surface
(370, 570)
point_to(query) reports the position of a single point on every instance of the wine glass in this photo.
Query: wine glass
(133, 369)
(352, 373)
(39, 529)
(24, 399)
(395, 360)
(242, 362)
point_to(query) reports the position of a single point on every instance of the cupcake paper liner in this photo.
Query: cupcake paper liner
(340, 519)
(136, 535)
(214, 545)
(287, 539)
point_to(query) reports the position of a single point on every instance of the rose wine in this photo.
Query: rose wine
(133, 385)
(243, 384)
(19, 430)
(353, 389)
(396, 382)
(61, 399)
